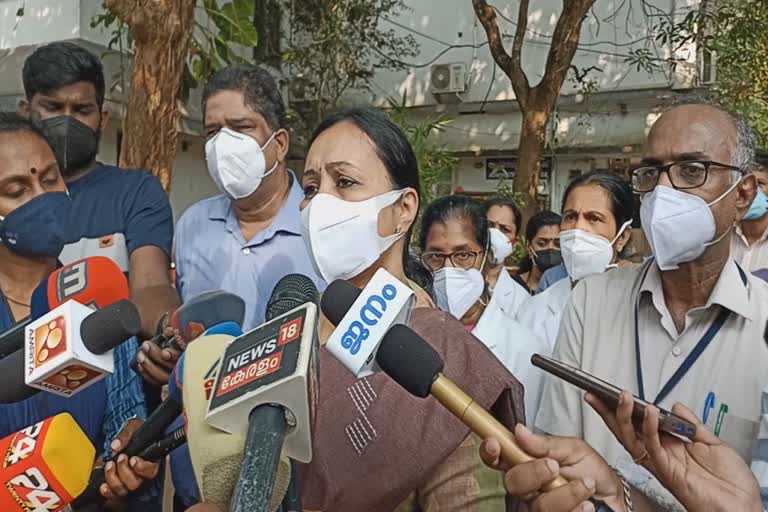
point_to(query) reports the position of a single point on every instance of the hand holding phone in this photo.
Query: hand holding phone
(609, 394)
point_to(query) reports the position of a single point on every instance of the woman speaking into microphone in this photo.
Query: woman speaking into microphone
(376, 447)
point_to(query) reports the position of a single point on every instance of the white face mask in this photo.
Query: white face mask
(585, 253)
(236, 162)
(679, 226)
(457, 289)
(343, 236)
(501, 247)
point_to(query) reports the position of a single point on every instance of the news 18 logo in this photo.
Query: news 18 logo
(50, 340)
(370, 314)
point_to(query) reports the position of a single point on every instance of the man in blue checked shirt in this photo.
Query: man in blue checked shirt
(250, 236)
(116, 213)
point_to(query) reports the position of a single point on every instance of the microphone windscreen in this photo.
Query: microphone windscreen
(409, 360)
(12, 385)
(289, 293)
(203, 311)
(95, 281)
(216, 455)
(106, 328)
(45, 465)
(337, 299)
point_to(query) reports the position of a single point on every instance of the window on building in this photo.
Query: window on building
(708, 66)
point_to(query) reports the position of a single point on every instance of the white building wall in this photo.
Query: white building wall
(611, 123)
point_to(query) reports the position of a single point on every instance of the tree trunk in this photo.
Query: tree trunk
(536, 102)
(161, 32)
(530, 151)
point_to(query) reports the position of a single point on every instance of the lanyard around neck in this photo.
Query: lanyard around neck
(701, 345)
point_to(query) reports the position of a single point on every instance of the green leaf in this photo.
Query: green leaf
(235, 22)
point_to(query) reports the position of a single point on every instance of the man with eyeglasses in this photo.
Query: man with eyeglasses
(687, 325)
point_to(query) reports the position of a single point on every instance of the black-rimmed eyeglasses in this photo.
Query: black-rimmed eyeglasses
(683, 175)
(434, 261)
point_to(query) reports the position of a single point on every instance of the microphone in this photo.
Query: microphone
(96, 282)
(215, 456)
(385, 301)
(411, 362)
(69, 348)
(61, 285)
(202, 312)
(154, 426)
(269, 376)
(45, 465)
(197, 315)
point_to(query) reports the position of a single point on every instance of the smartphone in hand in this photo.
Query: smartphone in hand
(609, 395)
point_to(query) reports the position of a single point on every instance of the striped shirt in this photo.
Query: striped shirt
(749, 257)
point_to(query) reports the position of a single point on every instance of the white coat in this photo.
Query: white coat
(509, 294)
(511, 343)
(542, 313)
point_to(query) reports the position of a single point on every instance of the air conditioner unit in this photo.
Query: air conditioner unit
(449, 78)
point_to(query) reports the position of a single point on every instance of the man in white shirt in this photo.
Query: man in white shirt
(749, 245)
(686, 326)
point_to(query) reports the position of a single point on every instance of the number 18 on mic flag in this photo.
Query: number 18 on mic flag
(272, 364)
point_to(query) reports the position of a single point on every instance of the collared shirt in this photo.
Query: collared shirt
(552, 276)
(760, 451)
(510, 294)
(597, 335)
(749, 257)
(211, 253)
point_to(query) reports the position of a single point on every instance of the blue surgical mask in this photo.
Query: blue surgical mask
(37, 228)
(759, 206)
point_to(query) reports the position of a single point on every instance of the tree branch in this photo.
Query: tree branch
(565, 41)
(510, 64)
(518, 75)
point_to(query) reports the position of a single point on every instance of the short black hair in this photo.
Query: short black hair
(540, 220)
(261, 93)
(59, 64)
(509, 203)
(461, 207)
(622, 199)
(13, 122)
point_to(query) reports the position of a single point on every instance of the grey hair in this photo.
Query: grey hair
(743, 155)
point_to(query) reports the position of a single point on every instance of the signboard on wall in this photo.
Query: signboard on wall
(506, 168)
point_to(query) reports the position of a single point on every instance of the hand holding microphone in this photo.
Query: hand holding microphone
(158, 356)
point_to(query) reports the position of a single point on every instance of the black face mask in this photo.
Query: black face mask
(547, 258)
(74, 144)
